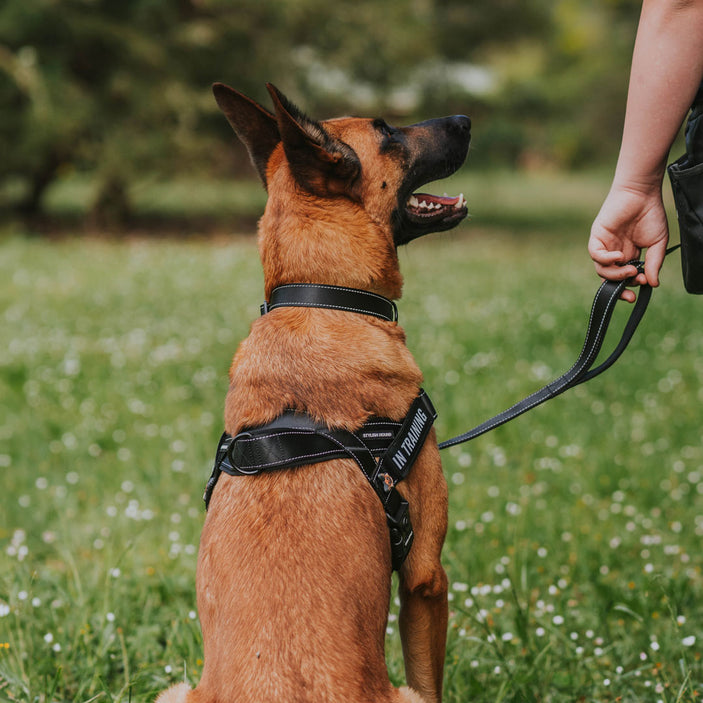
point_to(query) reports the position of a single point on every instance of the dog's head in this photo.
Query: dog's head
(347, 176)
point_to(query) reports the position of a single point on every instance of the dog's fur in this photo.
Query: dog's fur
(294, 569)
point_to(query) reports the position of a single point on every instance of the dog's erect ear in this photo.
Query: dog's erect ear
(254, 125)
(320, 163)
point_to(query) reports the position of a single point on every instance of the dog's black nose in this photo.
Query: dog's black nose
(461, 123)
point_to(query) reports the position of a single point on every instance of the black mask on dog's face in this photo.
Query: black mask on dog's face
(434, 149)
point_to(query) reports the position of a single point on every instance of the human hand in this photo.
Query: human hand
(630, 220)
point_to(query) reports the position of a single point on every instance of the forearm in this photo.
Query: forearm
(667, 67)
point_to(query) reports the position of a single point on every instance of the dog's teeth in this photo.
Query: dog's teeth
(461, 202)
(423, 204)
(413, 202)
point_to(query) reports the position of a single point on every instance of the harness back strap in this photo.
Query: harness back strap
(384, 450)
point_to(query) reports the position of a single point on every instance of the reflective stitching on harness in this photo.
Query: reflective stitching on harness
(301, 456)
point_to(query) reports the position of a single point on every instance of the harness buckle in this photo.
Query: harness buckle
(401, 532)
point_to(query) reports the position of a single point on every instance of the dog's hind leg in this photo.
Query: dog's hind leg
(423, 582)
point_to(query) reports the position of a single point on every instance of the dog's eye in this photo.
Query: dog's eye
(383, 127)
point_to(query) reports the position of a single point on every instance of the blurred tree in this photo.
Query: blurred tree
(121, 89)
(116, 88)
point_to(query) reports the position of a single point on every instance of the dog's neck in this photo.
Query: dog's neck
(305, 240)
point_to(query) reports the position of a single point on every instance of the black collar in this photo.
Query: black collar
(313, 295)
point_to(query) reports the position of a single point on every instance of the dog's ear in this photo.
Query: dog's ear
(253, 124)
(320, 163)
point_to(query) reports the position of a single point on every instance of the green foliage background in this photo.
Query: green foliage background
(120, 90)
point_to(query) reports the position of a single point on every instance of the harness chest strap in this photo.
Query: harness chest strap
(384, 450)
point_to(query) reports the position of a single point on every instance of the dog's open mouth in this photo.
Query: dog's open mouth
(423, 207)
(424, 213)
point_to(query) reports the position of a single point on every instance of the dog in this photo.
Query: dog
(294, 566)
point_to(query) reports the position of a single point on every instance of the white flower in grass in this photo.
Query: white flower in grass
(688, 641)
(48, 638)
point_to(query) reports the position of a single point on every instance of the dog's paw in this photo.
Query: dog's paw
(175, 694)
(407, 695)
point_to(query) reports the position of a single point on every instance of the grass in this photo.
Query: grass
(574, 545)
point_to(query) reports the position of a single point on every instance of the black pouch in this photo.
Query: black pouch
(686, 176)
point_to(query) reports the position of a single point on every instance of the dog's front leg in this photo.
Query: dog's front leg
(423, 631)
(423, 582)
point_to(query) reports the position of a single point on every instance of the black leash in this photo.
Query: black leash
(601, 312)
(352, 300)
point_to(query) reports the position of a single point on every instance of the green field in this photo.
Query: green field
(574, 545)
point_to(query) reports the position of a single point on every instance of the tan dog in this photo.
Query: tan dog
(294, 571)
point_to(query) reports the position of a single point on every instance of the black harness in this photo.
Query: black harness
(383, 449)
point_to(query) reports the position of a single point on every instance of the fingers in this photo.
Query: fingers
(628, 295)
(615, 271)
(609, 261)
(653, 260)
